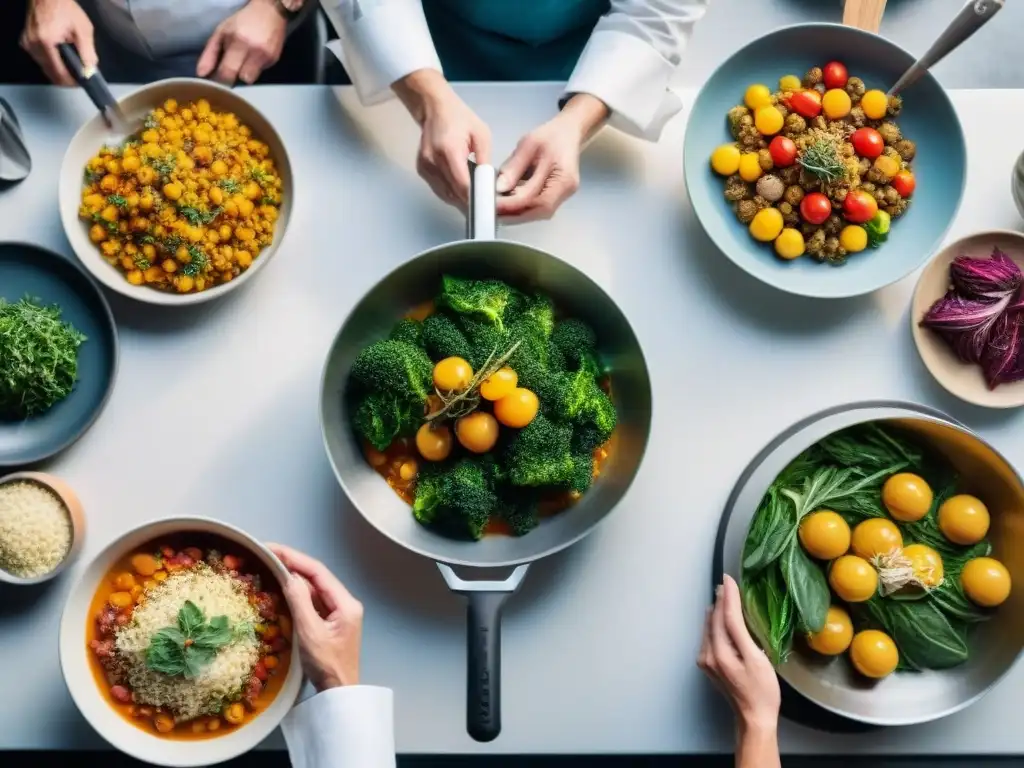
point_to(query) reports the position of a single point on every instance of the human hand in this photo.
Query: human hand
(329, 621)
(737, 666)
(544, 170)
(451, 131)
(245, 43)
(49, 23)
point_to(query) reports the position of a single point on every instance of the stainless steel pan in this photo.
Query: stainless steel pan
(416, 281)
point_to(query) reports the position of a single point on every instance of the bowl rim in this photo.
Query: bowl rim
(780, 283)
(248, 736)
(69, 500)
(920, 334)
(99, 269)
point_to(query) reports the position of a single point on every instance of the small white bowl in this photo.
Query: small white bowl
(75, 512)
(91, 702)
(95, 133)
(965, 380)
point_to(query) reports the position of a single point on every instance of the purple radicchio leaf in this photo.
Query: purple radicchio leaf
(990, 278)
(1001, 360)
(965, 324)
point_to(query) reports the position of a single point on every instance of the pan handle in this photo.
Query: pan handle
(482, 221)
(483, 635)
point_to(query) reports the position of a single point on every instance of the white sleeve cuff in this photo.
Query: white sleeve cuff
(380, 43)
(350, 727)
(631, 78)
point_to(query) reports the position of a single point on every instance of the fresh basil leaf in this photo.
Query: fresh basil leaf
(773, 528)
(171, 635)
(806, 583)
(215, 634)
(195, 659)
(923, 634)
(769, 613)
(190, 618)
(165, 656)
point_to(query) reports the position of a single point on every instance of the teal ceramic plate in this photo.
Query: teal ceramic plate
(32, 271)
(928, 118)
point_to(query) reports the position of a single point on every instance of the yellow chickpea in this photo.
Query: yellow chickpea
(97, 233)
(152, 274)
(149, 251)
(173, 135)
(113, 167)
(200, 283)
(186, 114)
(216, 195)
(201, 136)
(182, 255)
(145, 175)
(150, 136)
(170, 266)
(203, 155)
(219, 168)
(96, 162)
(132, 200)
(131, 164)
(146, 202)
(173, 190)
(134, 277)
(225, 232)
(110, 247)
(109, 213)
(195, 234)
(171, 106)
(202, 108)
(131, 249)
(243, 259)
(127, 263)
(108, 184)
(245, 208)
(184, 284)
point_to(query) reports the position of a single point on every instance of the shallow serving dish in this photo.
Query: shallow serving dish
(902, 698)
(928, 117)
(75, 512)
(135, 106)
(122, 734)
(965, 380)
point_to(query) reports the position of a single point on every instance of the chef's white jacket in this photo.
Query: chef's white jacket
(627, 63)
(349, 727)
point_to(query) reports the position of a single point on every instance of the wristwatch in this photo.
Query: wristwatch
(290, 9)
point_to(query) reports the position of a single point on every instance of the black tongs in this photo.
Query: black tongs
(95, 86)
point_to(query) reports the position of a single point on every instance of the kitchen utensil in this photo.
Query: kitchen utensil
(91, 701)
(30, 270)
(965, 380)
(373, 317)
(95, 86)
(76, 514)
(928, 117)
(135, 106)
(864, 14)
(972, 17)
(15, 161)
(901, 698)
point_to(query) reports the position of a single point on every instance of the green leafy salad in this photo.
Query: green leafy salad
(851, 548)
(489, 410)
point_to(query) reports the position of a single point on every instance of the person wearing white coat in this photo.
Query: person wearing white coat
(618, 57)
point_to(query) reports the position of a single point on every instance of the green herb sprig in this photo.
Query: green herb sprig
(822, 158)
(454, 405)
(197, 264)
(184, 650)
(197, 216)
(230, 186)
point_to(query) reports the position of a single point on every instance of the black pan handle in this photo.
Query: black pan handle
(92, 82)
(483, 636)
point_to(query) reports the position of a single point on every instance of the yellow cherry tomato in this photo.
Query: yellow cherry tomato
(835, 636)
(434, 442)
(517, 409)
(453, 374)
(824, 534)
(725, 160)
(964, 519)
(790, 83)
(926, 562)
(985, 581)
(853, 238)
(768, 120)
(749, 167)
(874, 103)
(886, 166)
(907, 497)
(853, 579)
(766, 225)
(477, 432)
(757, 95)
(877, 536)
(790, 243)
(499, 384)
(874, 654)
(836, 104)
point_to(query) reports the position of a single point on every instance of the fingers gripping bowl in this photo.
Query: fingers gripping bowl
(175, 644)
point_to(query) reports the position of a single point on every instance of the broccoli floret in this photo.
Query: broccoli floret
(537, 316)
(396, 367)
(575, 340)
(443, 338)
(541, 454)
(484, 340)
(407, 330)
(519, 508)
(582, 472)
(485, 299)
(455, 497)
(586, 438)
(583, 402)
(381, 416)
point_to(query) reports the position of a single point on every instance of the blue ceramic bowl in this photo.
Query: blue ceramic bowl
(927, 117)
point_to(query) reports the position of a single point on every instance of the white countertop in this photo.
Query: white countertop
(215, 412)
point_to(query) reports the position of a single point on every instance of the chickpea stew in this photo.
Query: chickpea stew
(189, 640)
(186, 204)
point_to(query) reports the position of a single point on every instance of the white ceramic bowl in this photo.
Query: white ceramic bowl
(91, 702)
(95, 133)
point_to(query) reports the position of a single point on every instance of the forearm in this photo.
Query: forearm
(585, 113)
(757, 746)
(422, 91)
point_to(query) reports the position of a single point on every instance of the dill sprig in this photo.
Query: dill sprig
(822, 158)
(455, 405)
(118, 201)
(197, 216)
(230, 186)
(197, 262)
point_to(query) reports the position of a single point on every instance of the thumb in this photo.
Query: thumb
(512, 171)
(82, 37)
(300, 603)
(211, 53)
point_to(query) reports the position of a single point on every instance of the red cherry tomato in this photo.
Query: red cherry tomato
(835, 75)
(783, 151)
(859, 207)
(815, 208)
(867, 142)
(903, 182)
(806, 103)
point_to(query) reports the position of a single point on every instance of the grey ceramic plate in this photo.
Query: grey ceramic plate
(32, 271)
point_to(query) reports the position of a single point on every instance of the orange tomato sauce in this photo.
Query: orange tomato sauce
(275, 635)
